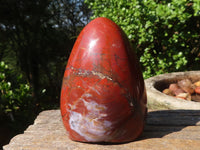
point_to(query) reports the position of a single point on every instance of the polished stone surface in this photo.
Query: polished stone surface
(103, 98)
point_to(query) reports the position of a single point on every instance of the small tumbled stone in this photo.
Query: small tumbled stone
(175, 89)
(197, 90)
(168, 92)
(186, 85)
(185, 96)
(197, 83)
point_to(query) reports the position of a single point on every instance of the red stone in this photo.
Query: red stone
(175, 89)
(103, 98)
(197, 90)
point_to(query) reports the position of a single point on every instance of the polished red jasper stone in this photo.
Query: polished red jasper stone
(103, 98)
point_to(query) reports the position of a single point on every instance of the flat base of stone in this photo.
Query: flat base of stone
(167, 129)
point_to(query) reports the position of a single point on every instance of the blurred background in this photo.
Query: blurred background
(37, 36)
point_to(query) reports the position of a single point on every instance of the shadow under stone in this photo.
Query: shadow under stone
(165, 122)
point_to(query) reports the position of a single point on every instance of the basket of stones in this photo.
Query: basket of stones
(184, 89)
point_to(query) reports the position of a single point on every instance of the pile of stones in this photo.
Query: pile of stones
(184, 89)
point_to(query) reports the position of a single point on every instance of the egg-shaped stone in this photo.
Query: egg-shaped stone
(103, 97)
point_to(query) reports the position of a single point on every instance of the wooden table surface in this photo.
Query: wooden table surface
(165, 129)
(173, 124)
